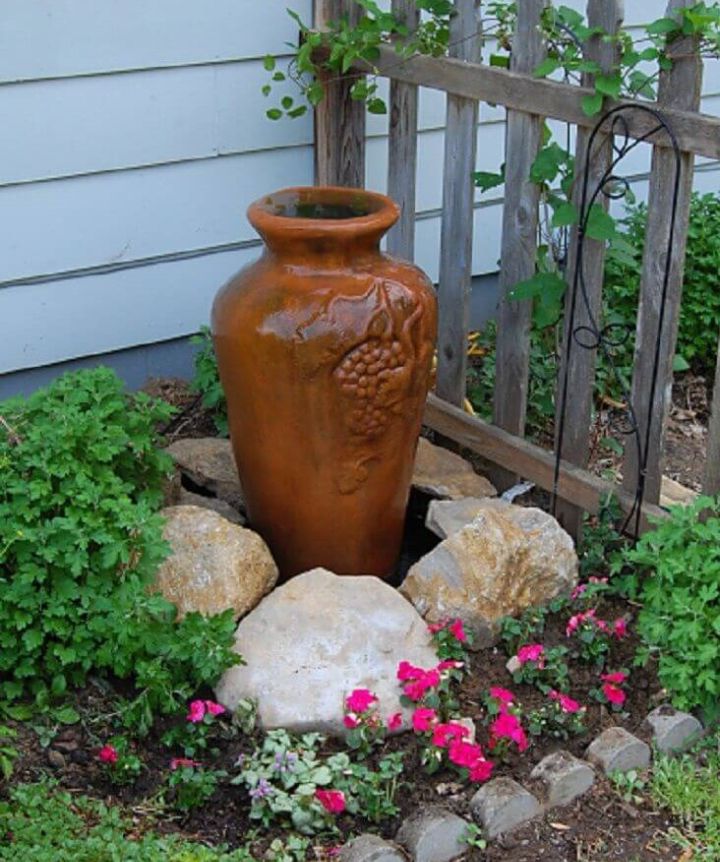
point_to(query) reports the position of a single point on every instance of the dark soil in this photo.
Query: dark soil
(599, 826)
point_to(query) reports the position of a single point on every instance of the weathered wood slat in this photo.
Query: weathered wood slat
(530, 461)
(678, 88)
(402, 147)
(523, 136)
(696, 132)
(576, 380)
(339, 120)
(457, 218)
(711, 483)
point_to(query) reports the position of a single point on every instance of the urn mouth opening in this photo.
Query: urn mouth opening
(323, 211)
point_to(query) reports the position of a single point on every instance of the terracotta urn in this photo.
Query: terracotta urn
(324, 347)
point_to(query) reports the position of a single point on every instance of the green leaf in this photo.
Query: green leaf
(662, 26)
(273, 114)
(680, 364)
(269, 62)
(592, 105)
(608, 85)
(502, 61)
(377, 106)
(485, 180)
(564, 215)
(547, 67)
(600, 225)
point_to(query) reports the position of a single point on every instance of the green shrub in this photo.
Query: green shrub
(700, 312)
(206, 381)
(80, 540)
(41, 824)
(680, 617)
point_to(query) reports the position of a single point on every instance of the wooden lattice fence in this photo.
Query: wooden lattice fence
(340, 160)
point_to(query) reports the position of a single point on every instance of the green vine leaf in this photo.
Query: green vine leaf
(485, 180)
(592, 105)
(565, 215)
(600, 225)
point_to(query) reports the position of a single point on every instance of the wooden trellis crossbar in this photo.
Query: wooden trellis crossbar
(530, 101)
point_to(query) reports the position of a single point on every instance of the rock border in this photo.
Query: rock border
(503, 805)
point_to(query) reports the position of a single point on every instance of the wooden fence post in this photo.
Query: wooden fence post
(579, 386)
(457, 218)
(678, 88)
(402, 147)
(523, 135)
(711, 483)
(339, 120)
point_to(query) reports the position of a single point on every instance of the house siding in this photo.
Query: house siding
(134, 138)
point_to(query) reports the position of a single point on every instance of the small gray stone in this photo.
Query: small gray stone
(441, 473)
(209, 463)
(617, 750)
(215, 504)
(513, 664)
(371, 848)
(564, 777)
(502, 805)
(55, 759)
(433, 835)
(673, 730)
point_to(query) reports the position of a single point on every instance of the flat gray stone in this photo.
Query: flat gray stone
(442, 473)
(445, 517)
(502, 805)
(209, 463)
(617, 750)
(317, 637)
(433, 835)
(371, 848)
(564, 778)
(673, 730)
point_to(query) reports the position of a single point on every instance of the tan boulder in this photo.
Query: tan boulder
(442, 473)
(209, 463)
(507, 559)
(214, 564)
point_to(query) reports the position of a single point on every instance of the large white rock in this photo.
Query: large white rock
(213, 565)
(316, 638)
(506, 560)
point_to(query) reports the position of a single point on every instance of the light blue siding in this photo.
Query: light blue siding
(134, 138)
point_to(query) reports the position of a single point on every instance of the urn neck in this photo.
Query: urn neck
(327, 225)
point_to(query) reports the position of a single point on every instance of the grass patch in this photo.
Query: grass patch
(689, 787)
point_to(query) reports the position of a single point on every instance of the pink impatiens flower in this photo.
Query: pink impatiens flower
(614, 695)
(395, 721)
(567, 704)
(463, 753)
(616, 677)
(423, 719)
(449, 664)
(434, 628)
(214, 708)
(181, 762)
(331, 800)
(481, 770)
(360, 700)
(197, 711)
(456, 630)
(531, 652)
(507, 726)
(351, 721)
(408, 671)
(502, 695)
(108, 754)
(416, 689)
(620, 628)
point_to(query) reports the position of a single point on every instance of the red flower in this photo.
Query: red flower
(449, 664)
(465, 754)
(481, 770)
(531, 652)
(423, 719)
(407, 671)
(614, 694)
(456, 630)
(351, 721)
(395, 721)
(181, 762)
(503, 695)
(108, 754)
(620, 629)
(507, 726)
(617, 677)
(360, 700)
(197, 711)
(331, 800)
(434, 628)
(416, 689)
(444, 734)
(214, 708)
(567, 704)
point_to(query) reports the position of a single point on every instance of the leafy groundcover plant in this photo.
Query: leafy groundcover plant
(680, 617)
(81, 480)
